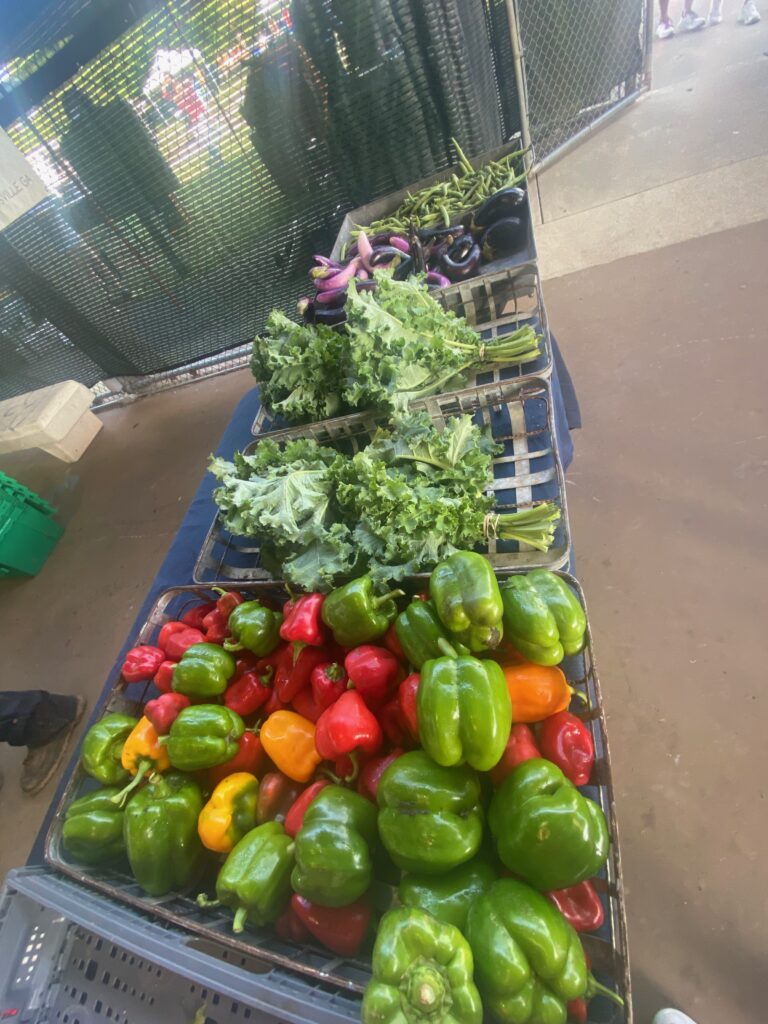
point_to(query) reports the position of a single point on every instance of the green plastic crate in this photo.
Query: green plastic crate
(28, 533)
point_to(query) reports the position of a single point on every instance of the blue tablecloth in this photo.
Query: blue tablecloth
(179, 562)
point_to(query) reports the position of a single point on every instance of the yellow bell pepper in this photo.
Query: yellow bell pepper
(289, 740)
(230, 813)
(143, 752)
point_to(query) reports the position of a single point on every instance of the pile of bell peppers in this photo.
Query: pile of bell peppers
(372, 771)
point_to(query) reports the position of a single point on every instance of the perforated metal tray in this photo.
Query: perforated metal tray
(527, 473)
(511, 299)
(607, 949)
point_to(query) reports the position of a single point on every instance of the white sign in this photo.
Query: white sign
(20, 187)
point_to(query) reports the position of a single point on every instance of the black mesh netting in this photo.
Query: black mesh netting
(198, 153)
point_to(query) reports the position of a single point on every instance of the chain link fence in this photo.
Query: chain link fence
(198, 152)
(582, 60)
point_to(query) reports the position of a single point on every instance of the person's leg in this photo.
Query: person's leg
(665, 28)
(749, 14)
(716, 12)
(43, 722)
(690, 21)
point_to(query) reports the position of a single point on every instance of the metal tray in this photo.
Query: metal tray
(482, 298)
(527, 473)
(607, 950)
(519, 302)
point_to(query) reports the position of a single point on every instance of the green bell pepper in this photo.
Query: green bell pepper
(335, 848)
(423, 636)
(464, 711)
(547, 832)
(467, 599)
(203, 736)
(421, 973)
(160, 829)
(430, 818)
(529, 961)
(448, 897)
(255, 880)
(204, 671)
(103, 748)
(543, 619)
(355, 615)
(254, 628)
(92, 832)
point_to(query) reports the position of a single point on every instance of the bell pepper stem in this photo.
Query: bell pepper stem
(379, 601)
(594, 988)
(204, 901)
(232, 645)
(122, 796)
(341, 779)
(579, 695)
(239, 922)
(446, 648)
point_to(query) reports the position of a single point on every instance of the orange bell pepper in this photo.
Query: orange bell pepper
(536, 691)
(143, 752)
(289, 740)
(230, 813)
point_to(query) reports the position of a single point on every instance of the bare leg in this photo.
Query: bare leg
(664, 10)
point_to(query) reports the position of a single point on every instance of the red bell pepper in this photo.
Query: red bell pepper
(177, 643)
(374, 672)
(521, 746)
(406, 697)
(567, 742)
(371, 772)
(293, 673)
(163, 711)
(277, 794)
(274, 704)
(394, 724)
(343, 930)
(347, 726)
(163, 678)
(228, 600)
(393, 644)
(302, 623)
(141, 663)
(578, 1011)
(328, 681)
(580, 905)
(291, 928)
(250, 757)
(247, 694)
(167, 631)
(215, 626)
(195, 615)
(294, 819)
(304, 703)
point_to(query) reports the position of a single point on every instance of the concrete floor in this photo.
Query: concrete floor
(665, 337)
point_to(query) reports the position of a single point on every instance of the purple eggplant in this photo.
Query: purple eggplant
(436, 280)
(462, 258)
(383, 255)
(326, 261)
(332, 300)
(430, 234)
(364, 249)
(503, 238)
(400, 243)
(330, 317)
(507, 202)
(339, 279)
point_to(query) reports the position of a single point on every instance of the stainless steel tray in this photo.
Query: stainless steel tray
(607, 950)
(527, 473)
(511, 299)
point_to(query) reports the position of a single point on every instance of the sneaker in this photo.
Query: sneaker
(665, 30)
(716, 12)
(749, 14)
(691, 21)
(672, 1017)
(41, 763)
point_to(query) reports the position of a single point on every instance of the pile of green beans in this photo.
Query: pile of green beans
(444, 203)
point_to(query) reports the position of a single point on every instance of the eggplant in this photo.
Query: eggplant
(334, 299)
(403, 269)
(507, 202)
(398, 242)
(436, 280)
(462, 258)
(384, 254)
(330, 317)
(503, 238)
(326, 261)
(365, 249)
(325, 282)
(428, 234)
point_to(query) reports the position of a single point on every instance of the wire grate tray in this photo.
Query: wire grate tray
(527, 472)
(607, 948)
(512, 299)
